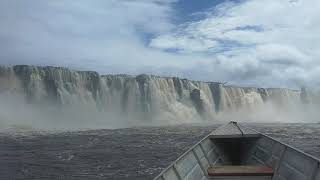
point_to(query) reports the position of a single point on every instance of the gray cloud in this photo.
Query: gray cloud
(270, 44)
(95, 33)
(238, 43)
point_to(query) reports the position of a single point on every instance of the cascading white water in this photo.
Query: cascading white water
(144, 98)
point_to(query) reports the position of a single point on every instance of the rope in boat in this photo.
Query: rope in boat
(236, 124)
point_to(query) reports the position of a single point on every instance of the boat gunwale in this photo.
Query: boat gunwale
(181, 156)
(287, 145)
(210, 135)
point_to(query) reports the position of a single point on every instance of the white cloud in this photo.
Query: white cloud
(277, 41)
(274, 43)
(94, 35)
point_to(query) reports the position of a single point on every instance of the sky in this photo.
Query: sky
(274, 43)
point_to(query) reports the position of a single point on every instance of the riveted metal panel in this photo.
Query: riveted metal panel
(266, 144)
(262, 155)
(199, 151)
(170, 175)
(204, 162)
(195, 174)
(317, 177)
(186, 164)
(277, 149)
(289, 173)
(207, 145)
(299, 161)
(202, 158)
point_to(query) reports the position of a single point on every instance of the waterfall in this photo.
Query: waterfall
(146, 98)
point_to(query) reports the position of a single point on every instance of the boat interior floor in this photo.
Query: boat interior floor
(236, 161)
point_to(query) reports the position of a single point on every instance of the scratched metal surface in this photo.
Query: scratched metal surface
(133, 153)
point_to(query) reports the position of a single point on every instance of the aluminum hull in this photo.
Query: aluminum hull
(236, 145)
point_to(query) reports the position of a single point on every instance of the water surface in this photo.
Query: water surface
(132, 153)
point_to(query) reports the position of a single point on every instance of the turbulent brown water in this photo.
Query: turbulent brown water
(133, 153)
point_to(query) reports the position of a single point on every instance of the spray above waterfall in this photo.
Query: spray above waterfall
(62, 98)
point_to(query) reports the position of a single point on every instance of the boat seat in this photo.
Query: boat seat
(240, 171)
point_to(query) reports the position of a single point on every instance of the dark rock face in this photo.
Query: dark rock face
(6, 79)
(143, 82)
(195, 97)
(178, 86)
(304, 96)
(264, 94)
(216, 94)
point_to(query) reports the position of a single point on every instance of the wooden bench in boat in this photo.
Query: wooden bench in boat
(240, 172)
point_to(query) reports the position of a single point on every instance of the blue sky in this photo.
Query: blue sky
(245, 42)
